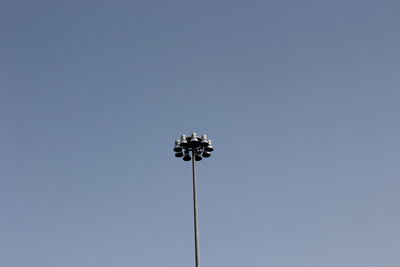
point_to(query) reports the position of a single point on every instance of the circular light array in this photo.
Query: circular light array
(200, 147)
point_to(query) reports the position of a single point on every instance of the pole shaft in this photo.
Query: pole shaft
(196, 215)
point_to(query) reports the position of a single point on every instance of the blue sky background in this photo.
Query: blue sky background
(301, 99)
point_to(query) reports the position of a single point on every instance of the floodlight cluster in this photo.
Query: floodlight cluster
(200, 147)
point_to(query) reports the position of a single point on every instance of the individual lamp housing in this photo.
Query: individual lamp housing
(177, 147)
(183, 142)
(186, 156)
(194, 141)
(209, 147)
(197, 154)
(206, 154)
(193, 147)
(197, 157)
(204, 141)
(179, 154)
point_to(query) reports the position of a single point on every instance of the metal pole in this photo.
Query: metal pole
(195, 209)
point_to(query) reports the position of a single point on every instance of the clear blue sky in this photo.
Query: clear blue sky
(301, 99)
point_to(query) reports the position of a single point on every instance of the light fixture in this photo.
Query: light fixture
(199, 149)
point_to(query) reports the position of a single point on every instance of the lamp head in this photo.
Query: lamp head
(206, 154)
(187, 156)
(209, 147)
(193, 147)
(197, 155)
(194, 141)
(204, 140)
(177, 147)
(179, 154)
(183, 141)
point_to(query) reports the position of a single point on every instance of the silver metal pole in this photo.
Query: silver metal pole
(196, 215)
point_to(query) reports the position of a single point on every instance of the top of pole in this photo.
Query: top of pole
(200, 147)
